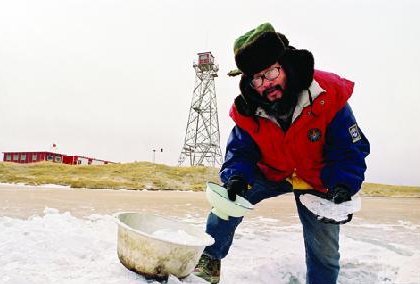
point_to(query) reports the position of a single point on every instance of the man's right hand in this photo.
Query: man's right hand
(340, 194)
(236, 186)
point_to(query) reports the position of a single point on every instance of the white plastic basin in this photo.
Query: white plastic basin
(148, 244)
(222, 205)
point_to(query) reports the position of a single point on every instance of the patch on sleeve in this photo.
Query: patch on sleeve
(355, 133)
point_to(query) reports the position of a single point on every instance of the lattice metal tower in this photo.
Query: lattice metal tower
(202, 139)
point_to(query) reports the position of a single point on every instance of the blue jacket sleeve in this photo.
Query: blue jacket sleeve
(242, 155)
(345, 151)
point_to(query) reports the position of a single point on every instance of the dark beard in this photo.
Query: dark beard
(280, 107)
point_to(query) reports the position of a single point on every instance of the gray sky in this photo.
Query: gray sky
(114, 79)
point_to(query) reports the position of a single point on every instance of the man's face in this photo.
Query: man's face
(270, 82)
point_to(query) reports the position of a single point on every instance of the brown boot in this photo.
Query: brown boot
(208, 269)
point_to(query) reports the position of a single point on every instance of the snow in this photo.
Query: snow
(31, 187)
(57, 247)
(177, 236)
(325, 208)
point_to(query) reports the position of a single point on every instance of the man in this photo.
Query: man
(294, 132)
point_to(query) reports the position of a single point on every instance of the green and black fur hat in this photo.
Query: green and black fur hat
(258, 48)
(263, 46)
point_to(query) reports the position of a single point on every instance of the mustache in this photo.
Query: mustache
(276, 87)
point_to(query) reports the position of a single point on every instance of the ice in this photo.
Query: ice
(32, 187)
(325, 208)
(177, 236)
(57, 247)
(48, 210)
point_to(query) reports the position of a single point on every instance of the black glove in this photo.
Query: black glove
(340, 194)
(236, 186)
(330, 221)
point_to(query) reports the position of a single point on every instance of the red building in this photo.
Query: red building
(33, 157)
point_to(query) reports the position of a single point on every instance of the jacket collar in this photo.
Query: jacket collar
(303, 101)
(303, 98)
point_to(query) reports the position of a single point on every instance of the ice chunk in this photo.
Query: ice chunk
(177, 236)
(328, 209)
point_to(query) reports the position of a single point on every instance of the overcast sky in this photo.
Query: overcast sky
(114, 79)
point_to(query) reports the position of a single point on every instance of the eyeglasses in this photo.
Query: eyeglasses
(270, 75)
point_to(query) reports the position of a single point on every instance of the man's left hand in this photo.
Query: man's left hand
(340, 194)
(331, 221)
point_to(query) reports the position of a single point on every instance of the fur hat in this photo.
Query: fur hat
(263, 46)
(257, 49)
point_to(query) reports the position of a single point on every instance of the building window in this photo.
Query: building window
(58, 159)
(8, 157)
(49, 158)
(34, 157)
(23, 157)
(16, 157)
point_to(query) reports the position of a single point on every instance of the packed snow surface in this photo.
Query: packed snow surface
(325, 208)
(57, 247)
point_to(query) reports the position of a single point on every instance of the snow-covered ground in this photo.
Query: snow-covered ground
(57, 247)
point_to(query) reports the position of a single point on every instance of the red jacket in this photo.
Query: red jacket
(299, 150)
